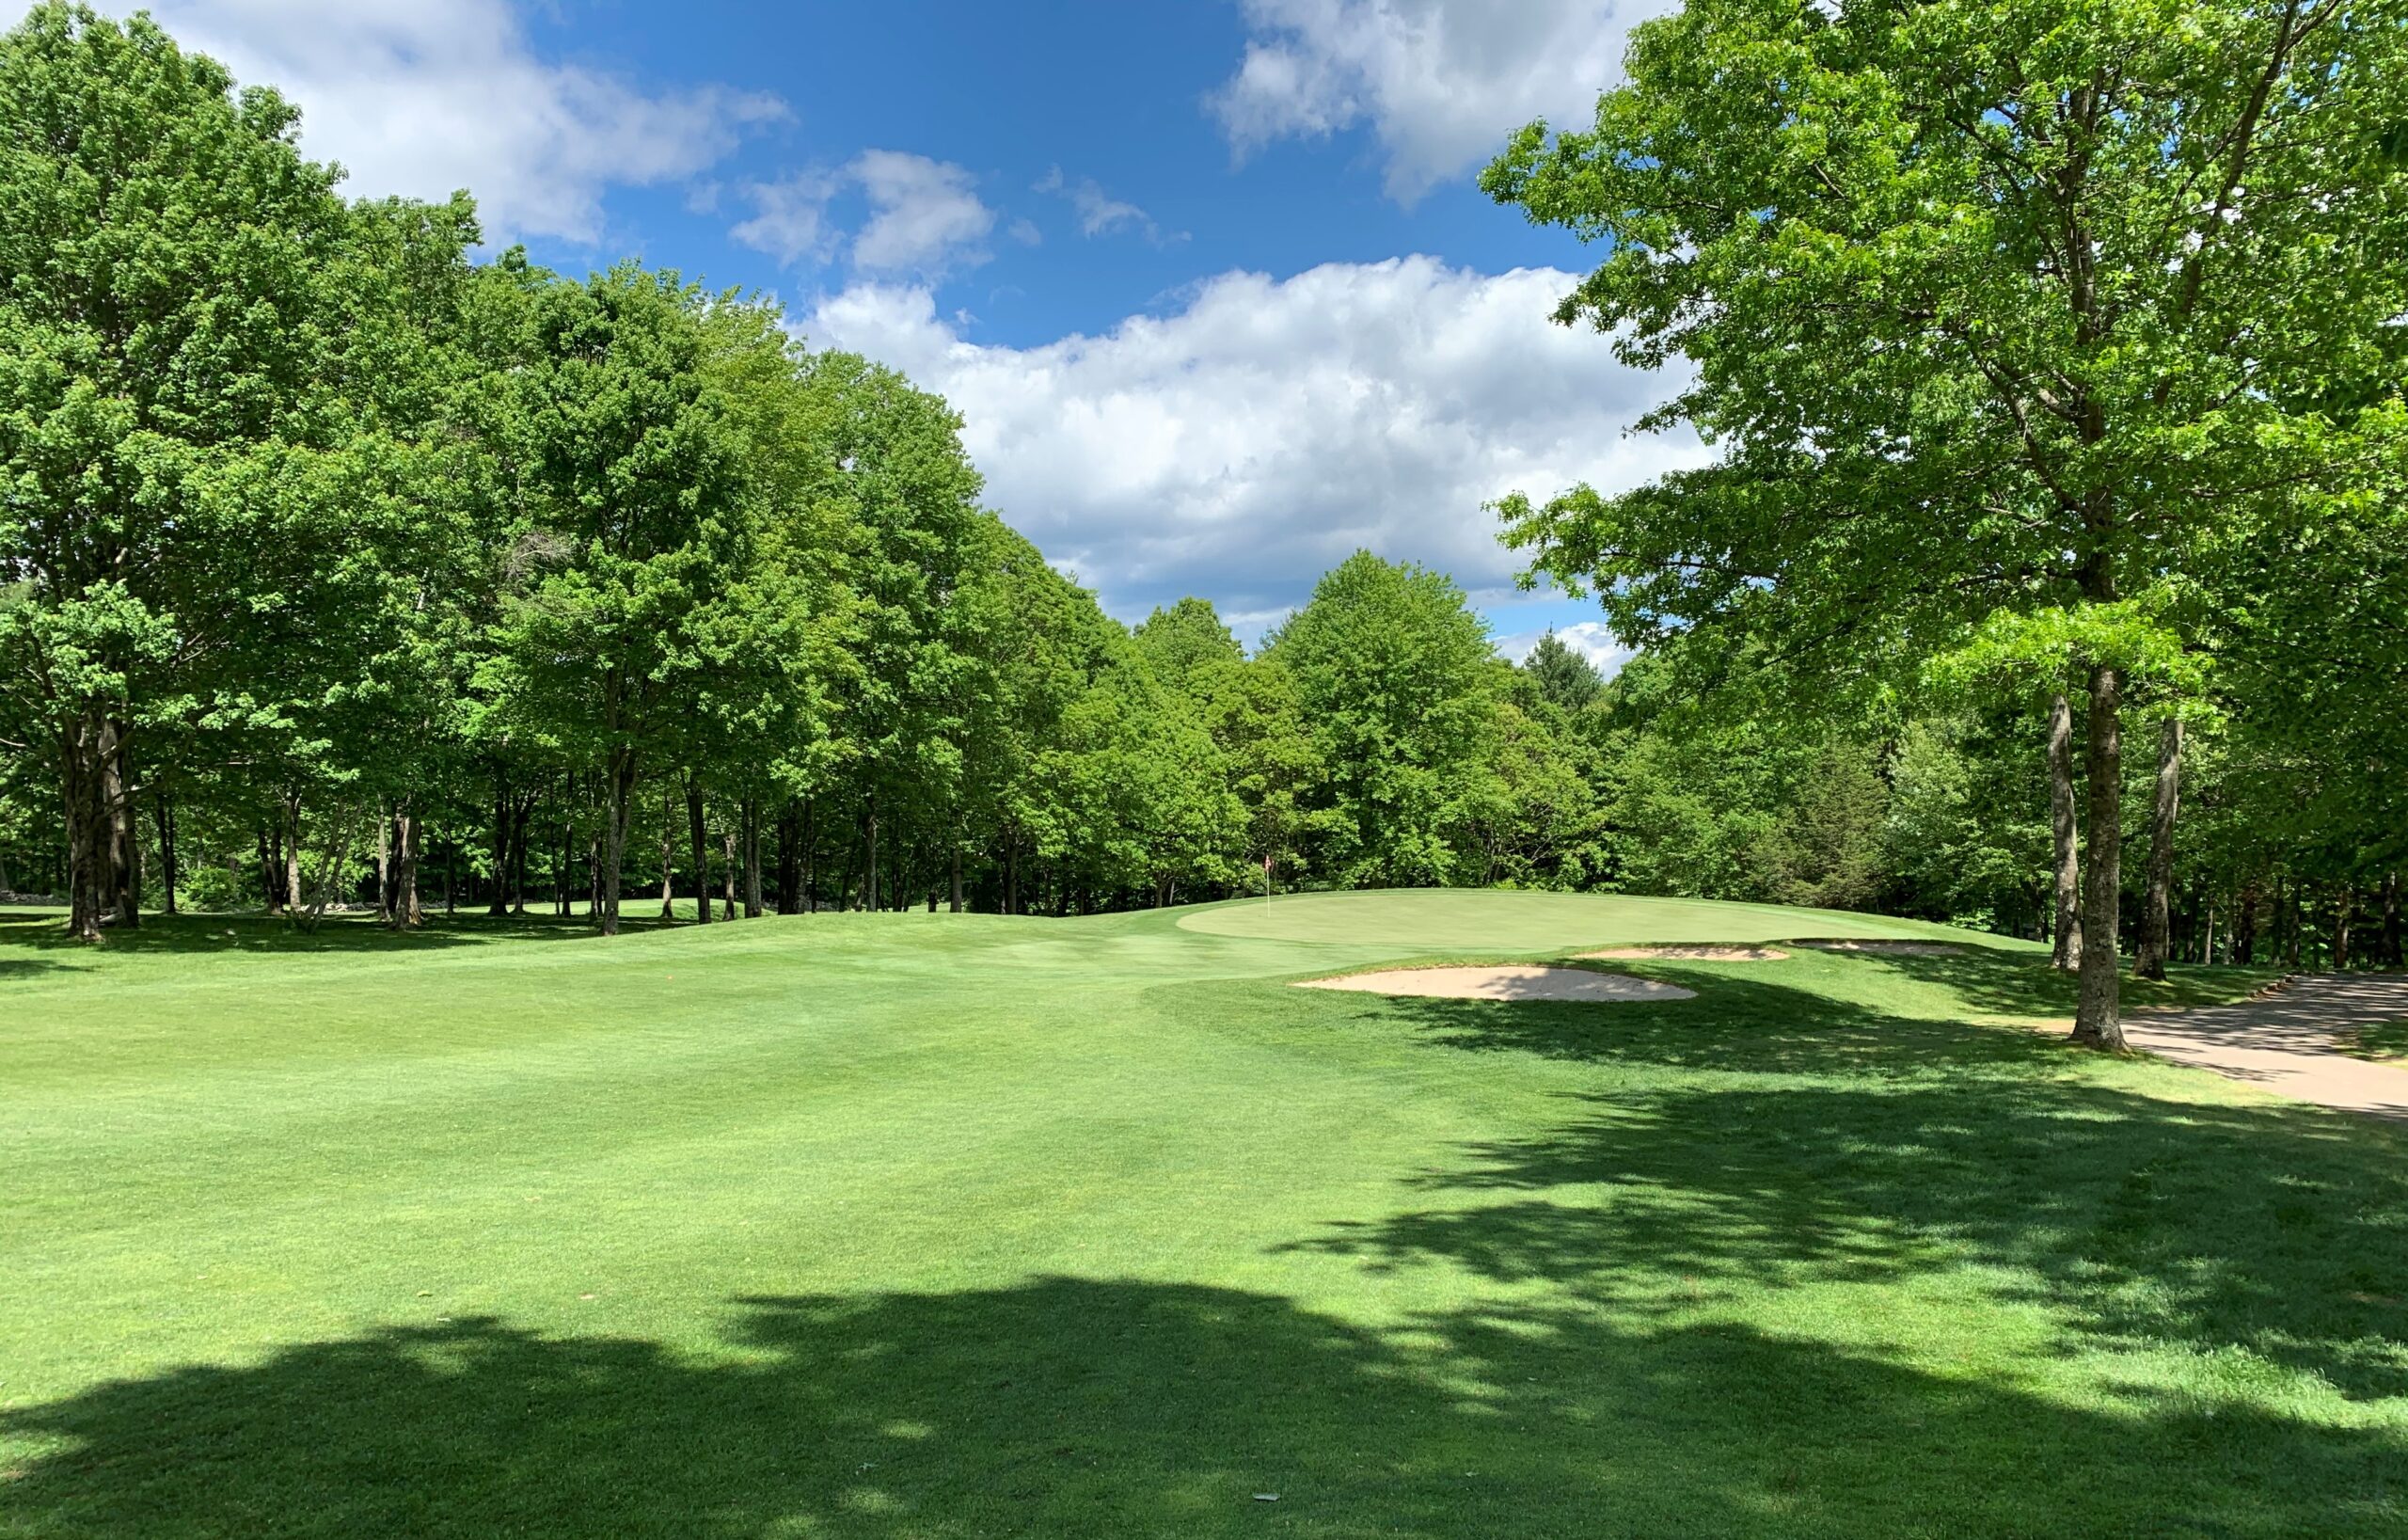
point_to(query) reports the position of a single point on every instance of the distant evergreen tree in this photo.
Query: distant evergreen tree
(1565, 679)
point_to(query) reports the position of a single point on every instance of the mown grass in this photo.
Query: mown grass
(933, 1226)
(2385, 1043)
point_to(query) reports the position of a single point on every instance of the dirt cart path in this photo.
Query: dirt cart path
(2286, 1041)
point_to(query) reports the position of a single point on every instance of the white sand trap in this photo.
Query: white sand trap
(1692, 954)
(1504, 984)
(1895, 948)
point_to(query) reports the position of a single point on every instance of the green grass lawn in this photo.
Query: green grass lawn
(2385, 1044)
(940, 1226)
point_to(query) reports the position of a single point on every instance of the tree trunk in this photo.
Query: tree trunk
(751, 820)
(498, 905)
(810, 851)
(384, 863)
(727, 870)
(696, 838)
(2099, 1019)
(2345, 910)
(869, 875)
(790, 856)
(519, 828)
(125, 848)
(2392, 919)
(956, 908)
(2244, 945)
(267, 872)
(163, 813)
(292, 896)
(618, 797)
(2150, 962)
(2066, 952)
(668, 863)
(405, 905)
(104, 859)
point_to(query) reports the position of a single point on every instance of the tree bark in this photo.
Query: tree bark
(727, 870)
(163, 813)
(2099, 1019)
(384, 863)
(2345, 910)
(668, 863)
(2066, 951)
(617, 796)
(869, 876)
(790, 857)
(751, 809)
(292, 896)
(697, 838)
(125, 846)
(810, 851)
(2392, 919)
(406, 914)
(2150, 962)
(520, 828)
(2244, 945)
(956, 908)
(497, 904)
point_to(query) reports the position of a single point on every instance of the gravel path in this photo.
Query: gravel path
(2284, 1041)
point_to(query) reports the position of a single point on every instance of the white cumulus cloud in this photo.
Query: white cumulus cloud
(1240, 445)
(925, 217)
(1099, 211)
(422, 97)
(1440, 82)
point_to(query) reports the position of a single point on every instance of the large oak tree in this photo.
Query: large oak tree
(1989, 308)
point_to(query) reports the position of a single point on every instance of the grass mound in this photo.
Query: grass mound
(1468, 919)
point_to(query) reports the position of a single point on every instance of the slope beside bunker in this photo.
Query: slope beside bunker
(1504, 983)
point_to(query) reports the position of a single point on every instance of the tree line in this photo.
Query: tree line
(343, 569)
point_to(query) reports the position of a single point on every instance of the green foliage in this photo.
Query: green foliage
(1568, 681)
(1397, 679)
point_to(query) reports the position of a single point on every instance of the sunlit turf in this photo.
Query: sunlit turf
(953, 1226)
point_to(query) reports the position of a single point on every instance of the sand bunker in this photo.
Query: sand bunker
(1895, 948)
(1504, 984)
(1692, 954)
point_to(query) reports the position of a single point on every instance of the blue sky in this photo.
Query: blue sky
(1210, 282)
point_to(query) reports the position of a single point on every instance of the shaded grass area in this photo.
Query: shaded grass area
(885, 1227)
(2387, 1043)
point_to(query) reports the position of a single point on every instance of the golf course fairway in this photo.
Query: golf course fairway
(947, 1225)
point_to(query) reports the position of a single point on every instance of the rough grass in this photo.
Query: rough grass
(931, 1226)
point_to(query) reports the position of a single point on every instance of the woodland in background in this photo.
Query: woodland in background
(343, 570)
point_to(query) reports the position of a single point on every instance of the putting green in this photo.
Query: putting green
(1472, 919)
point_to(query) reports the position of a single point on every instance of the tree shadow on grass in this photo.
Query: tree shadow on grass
(1891, 1147)
(254, 933)
(1110, 1409)
(1735, 1023)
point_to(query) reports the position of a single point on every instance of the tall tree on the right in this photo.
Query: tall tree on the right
(1990, 309)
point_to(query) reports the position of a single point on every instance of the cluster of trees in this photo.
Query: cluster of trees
(2057, 371)
(1937, 801)
(2056, 356)
(341, 568)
